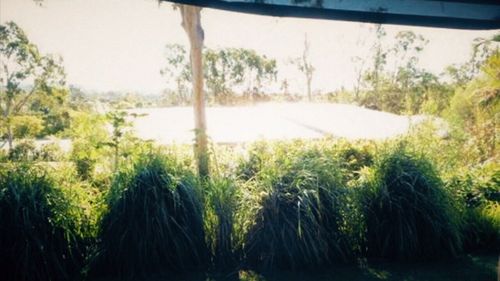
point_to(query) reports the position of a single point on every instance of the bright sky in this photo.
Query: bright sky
(120, 44)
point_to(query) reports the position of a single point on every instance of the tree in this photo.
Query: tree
(26, 126)
(359, 66)
(25, 75)
(474, 110)
(223, 69)
(404, 87)
(304, 65)
(178, 68)
(191, 22)
(285, 87)
(372, 76)
(407, 78)
(482, 49)
(218, 71)
(228, 68)
(120, 121)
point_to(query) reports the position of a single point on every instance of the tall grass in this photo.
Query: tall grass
(284, 205)
(42, 226)
(292, 212)
(353, 157)
(478, 190)
(154, 222)
(408, 213)
(220, 212)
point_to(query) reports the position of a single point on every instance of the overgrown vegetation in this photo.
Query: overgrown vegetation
(115, 206)
(408, 213)
(296, 210)
(46, 223)
(154, 222)
(221, 203)
(478, 192)
(286, 205)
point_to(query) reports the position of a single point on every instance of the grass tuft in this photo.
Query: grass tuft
(42, 231)
(154, 222)
(408, 213)
(220, 211)
(296, 221)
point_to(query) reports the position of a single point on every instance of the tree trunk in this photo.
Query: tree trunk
(309, 94)
(192, 25)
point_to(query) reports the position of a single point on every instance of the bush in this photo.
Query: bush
(4, 155)
(51, 152)
(42, 226)
(87, 157)
(481, 231)
(292, 210)
(408, 213)
(353, 157)
(27, 126)
(24, 151)
(88, 134)
(477, 190)
(154, 222)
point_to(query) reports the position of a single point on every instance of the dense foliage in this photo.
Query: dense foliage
(114, 206)
(408, 213)
(45, 224)
(299, 219)
(154, 222)
(22, 64)
(288, 205)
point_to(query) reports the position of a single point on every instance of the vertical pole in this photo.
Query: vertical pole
(192, 25)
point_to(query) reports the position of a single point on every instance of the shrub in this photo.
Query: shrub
(51, 152)
(85, 156)
(154, 222)
(42, 226)
(477, 190)
(27, 126)
(4, 155)
(291, 214)
(24, 151)
(88, 134)
(408, 213)
(353, 157)
(481, 231)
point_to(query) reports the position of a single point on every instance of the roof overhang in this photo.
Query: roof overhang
(458, 14)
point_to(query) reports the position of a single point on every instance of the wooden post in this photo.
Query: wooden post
(192, 25)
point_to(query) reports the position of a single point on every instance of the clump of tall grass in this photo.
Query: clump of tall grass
(44, 226)
(292, 208)
(220, 211)
(409, 215)
(154, 222)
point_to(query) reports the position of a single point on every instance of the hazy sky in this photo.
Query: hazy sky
(120, 44)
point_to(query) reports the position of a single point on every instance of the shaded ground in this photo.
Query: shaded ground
(470, 268)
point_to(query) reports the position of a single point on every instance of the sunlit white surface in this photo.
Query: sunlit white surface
(272, 121)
